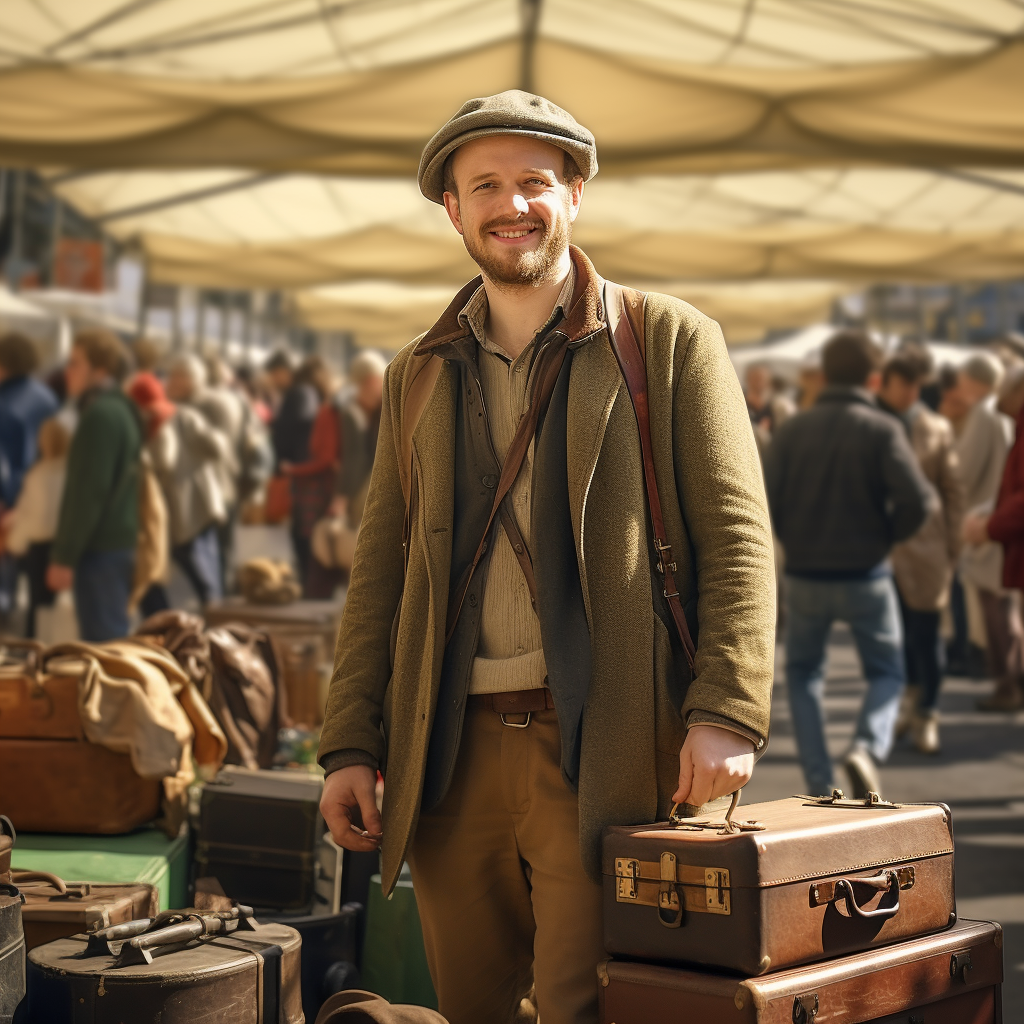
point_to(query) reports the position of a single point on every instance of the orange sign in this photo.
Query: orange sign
(78, 265)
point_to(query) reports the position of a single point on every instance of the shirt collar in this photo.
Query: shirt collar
(474, 314)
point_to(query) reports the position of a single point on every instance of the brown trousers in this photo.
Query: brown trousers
(1005, 632)
(512, 925)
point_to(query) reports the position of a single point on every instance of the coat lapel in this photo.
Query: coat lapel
(433, 444)
(594, 386)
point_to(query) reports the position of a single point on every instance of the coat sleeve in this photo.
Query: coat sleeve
(722, 496)
(951, 491)
(362, 665)
(910, 495)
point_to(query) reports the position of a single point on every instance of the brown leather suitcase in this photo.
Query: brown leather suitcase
(57, 780)
(950, 978)
(804, 879)
(54, 908)
(179, 971)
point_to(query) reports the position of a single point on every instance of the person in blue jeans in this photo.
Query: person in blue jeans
(94, 549)
(844, 487)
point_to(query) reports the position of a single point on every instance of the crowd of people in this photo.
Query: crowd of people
(123, 462)
(897, 500)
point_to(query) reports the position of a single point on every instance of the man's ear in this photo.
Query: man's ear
(575, 198)
(451, 205)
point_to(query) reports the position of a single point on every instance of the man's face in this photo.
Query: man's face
(180, 386)
(898, 393)
(280, 378)
(371, 392)
(78, 372)
(513, 210)
(970, 391)
(759, 383)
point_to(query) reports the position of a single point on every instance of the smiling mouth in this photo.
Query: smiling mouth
(517, 232)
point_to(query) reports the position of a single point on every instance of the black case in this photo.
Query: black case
(258, 832)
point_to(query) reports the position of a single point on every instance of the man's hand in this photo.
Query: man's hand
(714, 762)
(975, 529)
(60, 577)
(350, 799)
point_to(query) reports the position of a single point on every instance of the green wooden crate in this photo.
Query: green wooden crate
(394, 960)
(144, 856)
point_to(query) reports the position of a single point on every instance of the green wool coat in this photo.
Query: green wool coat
(380, 708)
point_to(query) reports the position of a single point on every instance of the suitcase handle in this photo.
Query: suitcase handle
(888, 880)
(54, 881)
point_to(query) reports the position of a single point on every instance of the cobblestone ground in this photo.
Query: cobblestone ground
(980, 774)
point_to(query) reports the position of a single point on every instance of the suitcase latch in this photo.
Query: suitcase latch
(626, 874)
(959, 965)
(670, 907)
(805, 1008)
(716, 891)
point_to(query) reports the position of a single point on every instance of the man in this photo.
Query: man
(94, 550)
(24, 403)
(844, 486)
(1005, 526)
(768, 410)
(510, 737)
(923, 565)
(984, 435)
(359, 421)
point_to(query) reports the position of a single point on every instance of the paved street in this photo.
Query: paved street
(980, 774)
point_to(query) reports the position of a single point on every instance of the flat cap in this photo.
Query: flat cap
(506, 113)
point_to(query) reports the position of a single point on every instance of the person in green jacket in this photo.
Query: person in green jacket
(94, 550)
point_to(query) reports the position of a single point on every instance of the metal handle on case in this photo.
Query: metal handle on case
(888, 880)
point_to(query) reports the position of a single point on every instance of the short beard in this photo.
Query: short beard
(523, 268)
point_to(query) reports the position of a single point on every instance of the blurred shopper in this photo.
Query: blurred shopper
(94, 548)
(843, 485)
(1005, 526)
(187, 452)
(768, 409)
(923, 565)
(24, 403)
(983, 441)
(360, 425)
(314, 480)
(495, 773)
(298, 402)
(810, 381)
(29, 527)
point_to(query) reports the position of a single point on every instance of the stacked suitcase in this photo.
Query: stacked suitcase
(814, 909)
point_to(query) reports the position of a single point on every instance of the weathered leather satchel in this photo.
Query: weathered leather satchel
(806, 878)
(178, 968)
(952, 978)
(55, 909)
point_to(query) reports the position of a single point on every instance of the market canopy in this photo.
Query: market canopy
(228, 229)
(357, 86)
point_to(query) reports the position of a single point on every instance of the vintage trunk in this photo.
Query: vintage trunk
(52, 774)
(12, 952)
(258, 834)
(55, 909)
(950, 978)
(246, 977)
(803, 880)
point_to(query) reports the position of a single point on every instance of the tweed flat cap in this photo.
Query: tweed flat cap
(506, 113)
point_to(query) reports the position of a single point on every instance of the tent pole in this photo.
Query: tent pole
(14, 256)
(143, 311)
(176, 321)
(56, 233)
(200, 321)
(529, 11)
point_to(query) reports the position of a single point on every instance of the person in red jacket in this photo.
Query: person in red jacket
(1006, 526)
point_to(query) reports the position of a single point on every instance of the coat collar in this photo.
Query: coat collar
(843, 393)
(584, 317)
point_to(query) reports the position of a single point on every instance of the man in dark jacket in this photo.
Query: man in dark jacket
(844, 486)
(94, 550)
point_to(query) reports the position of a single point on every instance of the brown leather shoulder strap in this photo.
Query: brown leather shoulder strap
(625, 308)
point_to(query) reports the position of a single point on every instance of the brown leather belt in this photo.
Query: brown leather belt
(514, 702)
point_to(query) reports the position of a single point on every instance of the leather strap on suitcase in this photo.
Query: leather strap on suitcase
(357, 1007)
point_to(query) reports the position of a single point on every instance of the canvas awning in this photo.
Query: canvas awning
(352, 86)
(225, 229)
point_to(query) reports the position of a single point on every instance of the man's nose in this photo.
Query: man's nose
(521, 205)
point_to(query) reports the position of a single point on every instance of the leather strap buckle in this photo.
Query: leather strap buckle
(516, 725)
(664, 557)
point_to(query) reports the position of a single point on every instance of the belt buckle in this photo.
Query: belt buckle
(515, 725)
